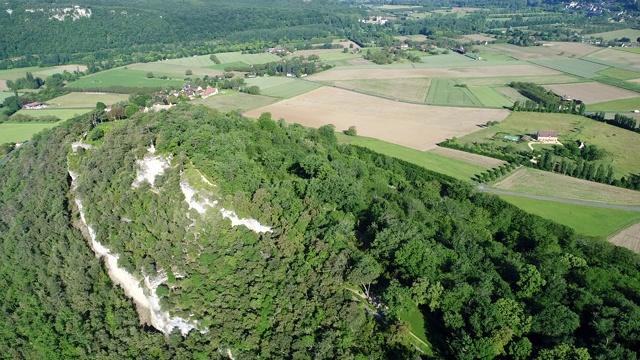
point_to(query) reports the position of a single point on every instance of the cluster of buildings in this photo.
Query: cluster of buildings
(34, 106)
(193, 93)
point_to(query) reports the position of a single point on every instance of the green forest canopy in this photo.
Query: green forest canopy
(489, 279)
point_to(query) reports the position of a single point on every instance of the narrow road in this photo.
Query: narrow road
(567, 201)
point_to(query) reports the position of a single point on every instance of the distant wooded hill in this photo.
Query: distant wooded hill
(60, 29)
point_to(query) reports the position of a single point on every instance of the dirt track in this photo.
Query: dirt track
(411, 125)
(629, 238)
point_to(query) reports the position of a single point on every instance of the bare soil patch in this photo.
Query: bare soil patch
(395, 73)
(3, 85)
(478, 37)
(629, 238)
(475, 159)
(419, 127)
(591, 93)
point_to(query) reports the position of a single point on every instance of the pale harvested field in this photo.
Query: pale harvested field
(478, 37)
(418, 127)
(637, 81)
(574, 48)
(618, 57)
(543, 183)
(3, 85)
(593, 92)
(475, 159)
(395, 73)
(629, 238)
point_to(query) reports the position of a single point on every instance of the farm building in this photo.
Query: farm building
(34, 106)
(547, 136)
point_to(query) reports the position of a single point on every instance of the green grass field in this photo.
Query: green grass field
(444, 165)
(282, 87)
(411, 90)
(587, 220)
(193, 61)
(226, 65)
(62, 114)
(260, 58)
(620, 145)
(17, 132)
(84, 100)
(121, 77)
(489, 97)
(444, 92)
(618, 34)
(6, 94)
(231, 100)
(543, 183)
(634, 50)
(173, 71)
(576, 67)
(624, 105)
(415, 319)
(621, 74)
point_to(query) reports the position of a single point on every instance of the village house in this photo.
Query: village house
(547, 136)
(192, 93)
(34, 106)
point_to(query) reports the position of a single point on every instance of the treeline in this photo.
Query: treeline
(619, 120)
(543, 100)
(387, 56)
(27, 82)
(298, 65)
(55, 87)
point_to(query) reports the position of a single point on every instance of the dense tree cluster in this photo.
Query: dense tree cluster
(489, 280)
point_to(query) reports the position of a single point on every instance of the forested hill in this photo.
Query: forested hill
(259, 234)
(63, 28)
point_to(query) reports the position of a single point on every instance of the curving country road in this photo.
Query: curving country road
(568, 201)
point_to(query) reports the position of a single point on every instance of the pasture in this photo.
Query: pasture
(62, 114)
(478, 160)
(416, 126)
(248, 59)
(621, 74)
(461, 170)
(409, 90)
(576, 67)
(282, 87)
(43, 72)
(17, 132)
(84, 100)
(620, 145)
(555, 50)
(543, 183)
(173, 71)
(591, 92)
(490, 97)
(586, 220)
(624, 105)
(615, 58)
(231, 101)
(121, 77)
(629, 238)
(451, 93)
(617, 34)
(6, 94)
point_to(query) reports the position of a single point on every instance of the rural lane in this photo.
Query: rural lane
(568, 201)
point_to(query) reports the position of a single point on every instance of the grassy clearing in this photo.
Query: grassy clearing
(17, 132)
(411, 90)
(621, 74)
(618, 34)
(84, 100)
(282, 87)
(62, 114)
(247, 58)
(444, 92)
(576, 67)
(616, 105)
(455, 168)
(415, 319)
(121, 77)
(538, 182)
(236, 101)
(620, 145)
(489, 97)
(586, 220)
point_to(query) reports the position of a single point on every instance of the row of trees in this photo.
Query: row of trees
(543, 100)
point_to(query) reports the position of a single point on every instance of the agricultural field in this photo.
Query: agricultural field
(576, 67)
(543, 183)
(625, 105)
(62, 114)
(511, 93)
(248, 59)
(479, 160)
(555, 50)
(410, 90)
(615, 58)
(6, 94)
(121, 77)
(173, 71)
(193, 61)
(84, 100)
(230, 100)
(629, 238)
(451, 93)
(620, 145)
(620, 74)
(587, 220)
(17, 132)
(416, 126)
(617, 34)
(592, 92)
(490, 97)
(43, 72)
(459, 169)
(478, 37)
(282, 87)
